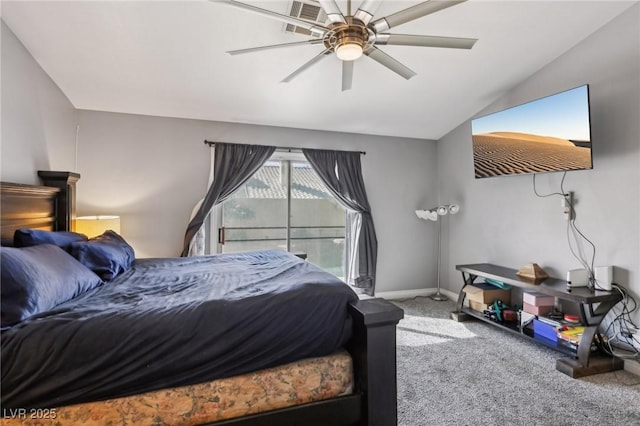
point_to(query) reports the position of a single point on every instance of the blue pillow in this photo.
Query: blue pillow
(34, 237)
(108, 255)
(36, 279)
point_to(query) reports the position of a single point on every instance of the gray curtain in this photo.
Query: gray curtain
(234, 164)
(341, 171)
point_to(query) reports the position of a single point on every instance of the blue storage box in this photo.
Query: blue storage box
(544, 330)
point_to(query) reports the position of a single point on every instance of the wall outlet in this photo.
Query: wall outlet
(567, 202)
(632, 366)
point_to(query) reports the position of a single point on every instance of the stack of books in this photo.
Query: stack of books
(562, 333)
(546, 330)
(569, 336)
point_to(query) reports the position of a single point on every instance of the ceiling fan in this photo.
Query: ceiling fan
(350, 36)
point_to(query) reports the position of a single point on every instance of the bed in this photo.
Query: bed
(275, 317)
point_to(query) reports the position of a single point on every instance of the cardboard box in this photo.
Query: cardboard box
(537, 299)
(477, 306)
(486, 293)
(536, 310)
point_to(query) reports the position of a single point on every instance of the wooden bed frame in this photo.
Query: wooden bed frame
(372, 347)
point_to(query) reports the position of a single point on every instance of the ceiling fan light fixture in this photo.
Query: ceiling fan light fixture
(349, 51)
(352, 35)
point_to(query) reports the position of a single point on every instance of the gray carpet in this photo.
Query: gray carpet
(470, 373)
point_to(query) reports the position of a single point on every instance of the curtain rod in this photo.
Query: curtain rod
(286, 148)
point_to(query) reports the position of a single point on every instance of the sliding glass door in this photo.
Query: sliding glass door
(286, 206)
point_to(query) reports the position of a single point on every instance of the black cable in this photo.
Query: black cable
(550, 194)
(575, 227)
(624, 322)
(571, 226)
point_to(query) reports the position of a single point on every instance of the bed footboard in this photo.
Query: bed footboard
(373, 349)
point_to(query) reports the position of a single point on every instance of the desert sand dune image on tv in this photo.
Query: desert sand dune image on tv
(549, 134)
(506, 153)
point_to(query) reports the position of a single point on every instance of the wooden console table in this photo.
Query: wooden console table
(592, 305)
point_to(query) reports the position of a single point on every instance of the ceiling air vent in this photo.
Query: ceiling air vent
(309, 10)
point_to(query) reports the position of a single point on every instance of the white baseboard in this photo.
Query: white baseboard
(632, 366)
(410, 294)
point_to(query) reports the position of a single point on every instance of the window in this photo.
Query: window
(285, 205)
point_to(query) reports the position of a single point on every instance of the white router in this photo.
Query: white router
(577, 278)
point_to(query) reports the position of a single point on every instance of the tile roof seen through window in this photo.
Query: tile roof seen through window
(269, 182)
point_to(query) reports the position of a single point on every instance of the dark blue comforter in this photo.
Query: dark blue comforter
(173, 322)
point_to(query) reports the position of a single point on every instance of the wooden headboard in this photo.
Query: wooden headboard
(50, 207)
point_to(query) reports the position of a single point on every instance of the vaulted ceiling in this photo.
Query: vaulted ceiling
(167, 58)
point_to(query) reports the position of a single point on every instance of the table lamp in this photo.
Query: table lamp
(92, 226)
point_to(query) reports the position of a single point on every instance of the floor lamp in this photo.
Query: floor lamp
(434, 214)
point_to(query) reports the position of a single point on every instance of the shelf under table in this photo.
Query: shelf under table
(593, 304)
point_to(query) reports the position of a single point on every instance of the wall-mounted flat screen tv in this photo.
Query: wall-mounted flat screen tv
(550, 134)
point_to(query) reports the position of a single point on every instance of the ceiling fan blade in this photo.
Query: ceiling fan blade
(412, 13)
(425, 41)
(386, 60)
(347, 75)
(316, 30)
(307, 65)
(333, 11)
(274, 46)
(366, 10)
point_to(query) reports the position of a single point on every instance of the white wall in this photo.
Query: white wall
(38, 121)
(503, 222)
(151, 171)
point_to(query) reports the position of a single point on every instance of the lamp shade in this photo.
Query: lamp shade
(92, 226)
(427, 214)
(442, 210)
